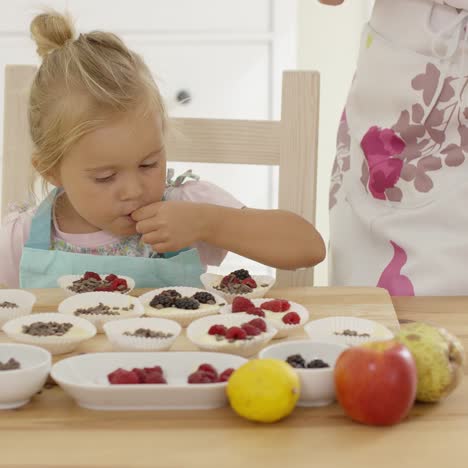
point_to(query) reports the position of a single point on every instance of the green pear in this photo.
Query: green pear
(439, 359)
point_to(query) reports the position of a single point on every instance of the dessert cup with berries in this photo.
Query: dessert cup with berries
(287, 317)
(241, 333)
(101, 307)
(180, 303)
(237, 283)
(91, 281)
(147, 381)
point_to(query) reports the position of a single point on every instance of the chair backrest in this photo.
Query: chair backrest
(290, 143)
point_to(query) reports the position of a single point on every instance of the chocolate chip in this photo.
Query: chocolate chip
(100, 309)
(148, 333)
(11, 364)
(47, 328)
(9, 305)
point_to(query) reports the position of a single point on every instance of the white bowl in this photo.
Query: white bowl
(18, 386)
(84, 377)
(67, 280)
(24, 299)
(183, 317)
(120, 342)
(210, 280)
(198, 330)
(317, 385)
(84, 300)
(54, 344)
(326, 329)
(275, 318)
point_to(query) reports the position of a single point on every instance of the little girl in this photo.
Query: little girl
(399, 184)
(99, 128)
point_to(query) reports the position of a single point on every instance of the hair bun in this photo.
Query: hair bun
(51, 31)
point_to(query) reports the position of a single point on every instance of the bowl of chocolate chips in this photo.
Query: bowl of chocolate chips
(314, 362)
(23, 372)
(15, 303)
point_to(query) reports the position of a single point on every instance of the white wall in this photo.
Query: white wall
(328, 40)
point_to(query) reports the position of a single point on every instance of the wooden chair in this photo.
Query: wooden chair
(290, 143)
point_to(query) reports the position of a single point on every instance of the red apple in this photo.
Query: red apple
(376, 382)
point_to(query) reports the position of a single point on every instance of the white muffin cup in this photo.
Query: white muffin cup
(24, 299)
(210, 280)
(120, 342)
(54, 344)
(198, 330)
(182, 317)
(85, 300)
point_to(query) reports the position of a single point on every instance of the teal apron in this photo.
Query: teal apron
(40, 267)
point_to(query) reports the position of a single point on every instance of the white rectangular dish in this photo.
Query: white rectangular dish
(84, 378)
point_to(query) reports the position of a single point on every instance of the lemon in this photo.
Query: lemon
(264, 390)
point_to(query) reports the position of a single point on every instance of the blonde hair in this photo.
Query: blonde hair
(81, 84)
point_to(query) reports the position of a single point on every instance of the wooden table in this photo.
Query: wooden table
(52, 431)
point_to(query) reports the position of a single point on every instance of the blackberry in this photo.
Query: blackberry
(187, 303)
(171, 293)
(317, 364)
(241, 274)
(162, 301)
(204, 297)
(297, 361)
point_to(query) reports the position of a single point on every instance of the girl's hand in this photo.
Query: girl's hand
(170, 226)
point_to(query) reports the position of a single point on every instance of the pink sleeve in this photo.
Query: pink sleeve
(205, 192)
(13, 235)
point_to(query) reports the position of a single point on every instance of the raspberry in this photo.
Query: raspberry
(200, 377)
(209, 369)
(118, 283)
(140, 373)
(241, 304)
(110, 277)
(123, 377)
(91, 274)
(250, 329)
(229, 279)
(250, 282)
(256, 311)
(259, 323)
(153, 369)
(217, 330)
(224, 376)
(241, 274)
(154, 378)
(276, 305)
(236, 333)
(291, 318)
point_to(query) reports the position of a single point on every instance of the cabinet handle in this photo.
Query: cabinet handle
(183, 97)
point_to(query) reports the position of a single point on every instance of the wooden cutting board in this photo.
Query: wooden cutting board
(370, 303)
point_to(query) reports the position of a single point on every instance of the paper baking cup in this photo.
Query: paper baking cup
(92, 299)
(67, 280)
(199, 329)
(182, 317)
(120, 342)
(275, 318)
(325, 329)
(210, 280)
(54, 344)
(24, 299)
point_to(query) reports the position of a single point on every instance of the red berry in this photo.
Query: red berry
(229, 279)
(153, 369)
(123, 377)
(118, 282)
(236, 333)
(111, 277)
(154, 378)
(251, 330)
(209, 369)
(250, 282)
(292, 318)
(217, 330)
(224, 376)
(241, 304)
(91, 274)
(276, 305)
(259, 323)
(200, 377)
(256, 311)
(141, 373)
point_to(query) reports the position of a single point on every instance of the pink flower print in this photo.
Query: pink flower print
(392, 279)
(380, 146)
